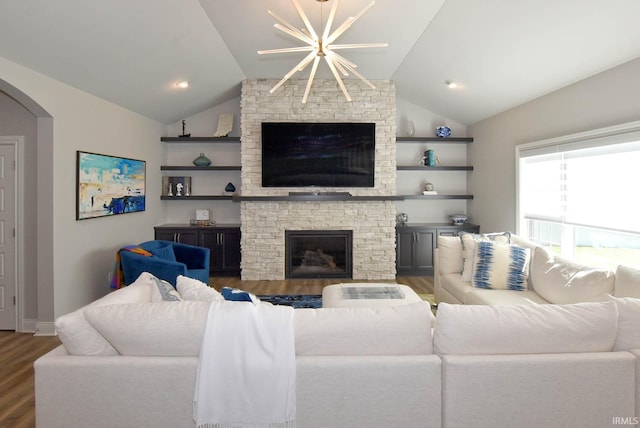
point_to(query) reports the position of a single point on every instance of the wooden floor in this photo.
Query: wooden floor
(419, 284)
(18, 351)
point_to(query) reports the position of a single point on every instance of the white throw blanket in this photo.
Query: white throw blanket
(247, 367)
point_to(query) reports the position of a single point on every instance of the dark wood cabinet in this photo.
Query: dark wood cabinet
(223, 243)
(184, 236)
(415, 245)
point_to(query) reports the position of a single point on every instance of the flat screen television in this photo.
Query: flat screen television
(318, 154)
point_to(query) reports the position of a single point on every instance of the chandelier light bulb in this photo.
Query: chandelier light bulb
(182, 84)
(451, 84)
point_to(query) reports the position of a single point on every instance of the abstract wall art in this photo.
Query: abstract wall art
(108, 185)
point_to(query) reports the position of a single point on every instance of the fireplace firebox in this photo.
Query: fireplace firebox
(318, 253)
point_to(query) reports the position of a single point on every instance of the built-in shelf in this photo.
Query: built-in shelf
(200, 139)
(197, 198)
(320, 198)
(435, 139)
(201, 168)
(434, 168)
(437, 197)
(317, 198)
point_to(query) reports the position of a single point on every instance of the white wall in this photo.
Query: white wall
(83, 251)
(609, 98)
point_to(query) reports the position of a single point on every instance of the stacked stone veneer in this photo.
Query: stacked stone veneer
(372, 222)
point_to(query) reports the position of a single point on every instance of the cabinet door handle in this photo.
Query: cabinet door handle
(176, 237)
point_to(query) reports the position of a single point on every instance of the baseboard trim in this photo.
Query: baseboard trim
(45, 329)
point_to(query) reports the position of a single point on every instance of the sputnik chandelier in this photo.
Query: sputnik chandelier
(321, 47)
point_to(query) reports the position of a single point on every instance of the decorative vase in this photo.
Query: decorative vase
(443, 131)
(202, 160)
(229, 189)
(411, 129)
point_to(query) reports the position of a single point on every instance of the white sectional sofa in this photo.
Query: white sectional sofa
(547, 278)
(130, 361)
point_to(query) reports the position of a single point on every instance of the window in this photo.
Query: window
(578, 196)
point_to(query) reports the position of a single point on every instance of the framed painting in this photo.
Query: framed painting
(108, 185)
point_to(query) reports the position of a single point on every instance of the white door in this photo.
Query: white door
(7, 237)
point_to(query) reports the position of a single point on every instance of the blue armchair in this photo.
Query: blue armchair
(168, 260)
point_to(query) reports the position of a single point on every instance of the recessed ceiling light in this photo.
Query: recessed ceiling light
(451, 84)
(182, 84)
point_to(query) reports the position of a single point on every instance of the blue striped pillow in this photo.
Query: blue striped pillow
(500, 266)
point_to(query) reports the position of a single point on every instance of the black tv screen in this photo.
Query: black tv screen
(318, 154)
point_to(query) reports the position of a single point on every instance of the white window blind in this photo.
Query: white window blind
(592, 183)
(578, 195)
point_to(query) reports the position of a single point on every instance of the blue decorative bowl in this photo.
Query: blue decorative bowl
(443, 131)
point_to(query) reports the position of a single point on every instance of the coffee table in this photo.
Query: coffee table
(353, 295)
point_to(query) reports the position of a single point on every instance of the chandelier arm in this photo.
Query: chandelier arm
(296, 34)
(302, 36)
(337, 77)
(304, 18)
(358, 46)
(286, 50)
(299, 67)
(332, 15)
(339, 66)
(314, 68)
(347, 24)
(340, 60)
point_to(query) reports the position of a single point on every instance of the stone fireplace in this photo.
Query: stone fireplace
(265, 221)
(318, 254)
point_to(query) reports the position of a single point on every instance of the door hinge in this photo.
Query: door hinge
(14, 300)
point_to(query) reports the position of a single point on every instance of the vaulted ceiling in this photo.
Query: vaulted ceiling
(502, 52)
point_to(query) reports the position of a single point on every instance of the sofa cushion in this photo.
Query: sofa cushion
(561, 281)
(193, 289)
(469, 248)
(500, 266)
(456, 286)
(628, 337)
(80, 338)
(388, 330)
(479, 296)
(523, 329)
(627, 282)
(169, 329)
(449, 255)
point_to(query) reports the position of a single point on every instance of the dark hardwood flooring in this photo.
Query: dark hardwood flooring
(18, 351)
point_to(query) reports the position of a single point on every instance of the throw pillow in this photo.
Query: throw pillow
(164, 252)
(449, 255)
(193, 289)
(166, 292)
(237, 295)
(562, 281)
(500, 266)
(469, 241)
(627, 282)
